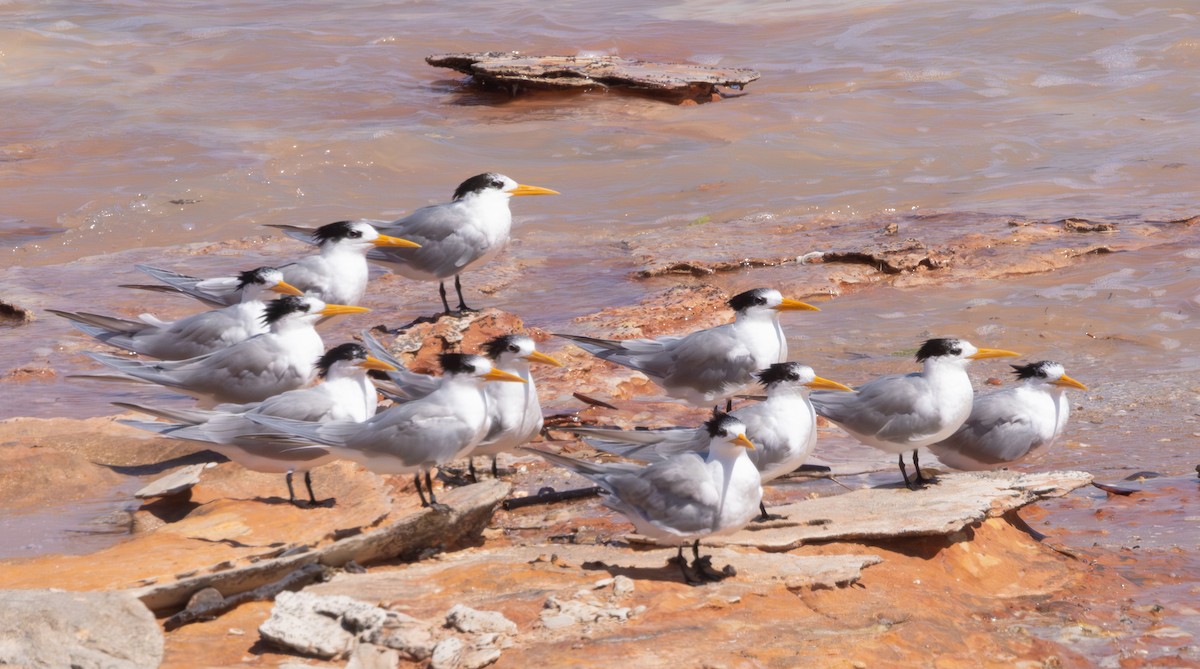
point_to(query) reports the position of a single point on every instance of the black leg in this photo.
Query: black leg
(429, 487)
(729, 405)
(291, 492)
(495, 468)
(762, 509)
(921, 480)
(683, 568)
(417, 480)
(462, 304)
(471, 469)
(904, 473)
(696, 550)
(442, 292)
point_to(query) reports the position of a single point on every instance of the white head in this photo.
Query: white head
(261, 282)
(1046, 373)
(291, 310)
(465, 365)
(492, 184)
(727, 434)
(765, 302)
(959, 351)
(506, 350)
(349, 360)
(354, 235)
(795, 377)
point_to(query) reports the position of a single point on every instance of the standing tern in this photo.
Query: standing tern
(336, 274)
(454, 236)
(903, 412)
(1009, 426)
(685, 497)
(282, 359)
(782, 427)
(345, 393)
(514, 411)
(709, 365)
(194, 335)
(416, 436)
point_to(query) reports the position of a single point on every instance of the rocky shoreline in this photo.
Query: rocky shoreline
(877, 576)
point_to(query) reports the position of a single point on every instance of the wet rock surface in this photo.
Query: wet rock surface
(898, 572)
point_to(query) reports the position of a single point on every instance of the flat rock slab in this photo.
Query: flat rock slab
(87, 630)
(470, 509)
(500, 578)
(513, 69)
(174, 483)
(955, 502)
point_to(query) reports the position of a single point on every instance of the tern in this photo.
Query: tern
(194, 335)
(416, 436)
(1009, 426)
(903, 412)
(337, 274)
(282, 359)
(686, 497)
(453, 236)
(514, 411)
(709, 365)
(782, 427)
(345, 393)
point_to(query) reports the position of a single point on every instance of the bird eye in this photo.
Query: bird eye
(955, 351)
(496, 183)
(354, 234)
(514, 348)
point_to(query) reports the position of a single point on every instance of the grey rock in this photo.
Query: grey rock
(477, 658)
(448, 654)
(315, 625)
(370, 656)
(469, 621)
(552, 620)
(412, 638)
(176, 482)
(955, 502)
(88, 630)
(409, 536)
(622, 586)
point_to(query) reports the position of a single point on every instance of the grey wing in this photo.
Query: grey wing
(709, 360)
(646, 445)
(218, 292)
(893, 408)
(295, 232)
(402, 385)
(639, 354)
(676, 495)
(447, 246)
(992, 436)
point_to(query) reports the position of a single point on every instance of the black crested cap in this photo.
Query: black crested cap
(498, 346)
(933, 348)
(457, 363)
(1034, 370)
(282, 306)
(347, 351)
(750, 298)
(478, 184)
(336, 232)
(721, 424)
(778, 373)
(255, 276)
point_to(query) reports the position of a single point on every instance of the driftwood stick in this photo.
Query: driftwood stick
(207, 609)
(550, 496)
